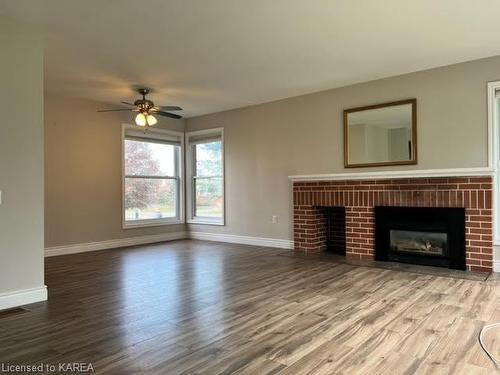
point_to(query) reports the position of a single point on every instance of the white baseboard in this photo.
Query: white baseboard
(245, 240)
(111, 244)
(122, 242)
(22, 297)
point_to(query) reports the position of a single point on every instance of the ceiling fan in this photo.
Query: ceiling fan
(147, 109)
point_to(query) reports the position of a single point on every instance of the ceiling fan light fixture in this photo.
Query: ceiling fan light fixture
(140, 119)
(151, 120)
(145, 119)
(146, 108)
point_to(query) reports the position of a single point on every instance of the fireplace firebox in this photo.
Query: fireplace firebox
(421, 235)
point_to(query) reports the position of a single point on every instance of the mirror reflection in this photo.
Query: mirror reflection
(380, 135)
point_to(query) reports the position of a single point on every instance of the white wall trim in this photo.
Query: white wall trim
(493, 157)
(244, 240)
(122, 242)
(496, 266)
(22, 297)
(180, 235)
(492, 125)
(381, 175)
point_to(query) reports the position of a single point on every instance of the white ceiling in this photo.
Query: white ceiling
(208, 56)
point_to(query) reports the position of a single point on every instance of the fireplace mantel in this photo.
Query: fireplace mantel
(381, 175)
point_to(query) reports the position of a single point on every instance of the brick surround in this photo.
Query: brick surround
(360, 197)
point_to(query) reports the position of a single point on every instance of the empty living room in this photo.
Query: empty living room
(250, 187)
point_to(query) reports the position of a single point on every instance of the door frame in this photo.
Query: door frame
(493, 165)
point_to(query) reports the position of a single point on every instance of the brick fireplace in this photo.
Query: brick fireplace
(360, 197)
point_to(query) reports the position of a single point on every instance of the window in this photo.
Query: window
(152, 184)
(206, 176)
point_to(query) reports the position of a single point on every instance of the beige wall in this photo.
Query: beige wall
(21, 158)
(303, 135)
(83, 196)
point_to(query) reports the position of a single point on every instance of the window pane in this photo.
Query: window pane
(148, 198)
(208, 193)
(208, 159)
(149, 158)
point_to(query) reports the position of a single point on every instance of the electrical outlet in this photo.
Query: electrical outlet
(274, 219)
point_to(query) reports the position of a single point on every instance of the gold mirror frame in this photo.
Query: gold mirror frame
(413, 159)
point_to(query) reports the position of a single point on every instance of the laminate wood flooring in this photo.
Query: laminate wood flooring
(195, 307)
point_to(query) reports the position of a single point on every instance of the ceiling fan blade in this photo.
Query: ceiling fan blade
(115, 110)
(127, 103)
(170, 108)
(168, 114)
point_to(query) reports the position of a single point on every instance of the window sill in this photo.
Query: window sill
(204, 221)
(152, 223)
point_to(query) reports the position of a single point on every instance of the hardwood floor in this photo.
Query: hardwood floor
(193, 307)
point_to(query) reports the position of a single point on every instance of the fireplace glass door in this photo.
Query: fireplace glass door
(421, 235)
(416, 242)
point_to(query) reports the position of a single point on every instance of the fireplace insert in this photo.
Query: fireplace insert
(421, 235)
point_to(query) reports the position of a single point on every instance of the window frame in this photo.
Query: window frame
(160, 135)
(190, 178)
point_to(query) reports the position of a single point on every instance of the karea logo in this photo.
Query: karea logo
(81, 367)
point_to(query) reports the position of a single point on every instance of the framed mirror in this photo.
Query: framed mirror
(380, 135)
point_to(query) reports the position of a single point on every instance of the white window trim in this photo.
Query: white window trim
(180, 219)
(191, 219)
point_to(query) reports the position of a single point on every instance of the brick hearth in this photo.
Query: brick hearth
(360, 197)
